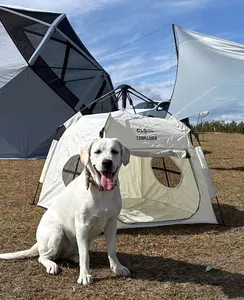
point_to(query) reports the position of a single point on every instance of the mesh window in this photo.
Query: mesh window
(72, 169)
(58, 37)
(53, 53)
(99, 106)
(34, 39)
(58, 72)
(78, 61)
(79, 88)
(104, 105)
(166, 171)
(45, 72)
(15, 26)
(37, 28)
(67, 29)
(76, 75)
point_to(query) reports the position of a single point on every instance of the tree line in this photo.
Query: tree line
(219, 126)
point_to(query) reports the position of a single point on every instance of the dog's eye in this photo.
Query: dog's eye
(113, 151)
(98, 151)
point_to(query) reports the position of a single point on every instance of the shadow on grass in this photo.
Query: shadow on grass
(207, 152)
(233, 217)
(155, 268)
(239, 169)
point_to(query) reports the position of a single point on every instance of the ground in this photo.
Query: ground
(166, 263)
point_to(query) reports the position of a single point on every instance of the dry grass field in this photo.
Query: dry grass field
(166, 263)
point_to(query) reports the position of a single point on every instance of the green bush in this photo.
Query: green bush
(219, 126)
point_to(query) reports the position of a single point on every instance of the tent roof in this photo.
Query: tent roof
(49, 44)
(209, 74)
(135, 131)
(139, 132)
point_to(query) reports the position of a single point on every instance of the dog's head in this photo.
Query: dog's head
(103, 159)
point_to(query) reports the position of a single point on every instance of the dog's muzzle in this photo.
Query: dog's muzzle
(106, 179)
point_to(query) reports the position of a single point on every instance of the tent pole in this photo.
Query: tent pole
(165, 170)
(220, 211)
(139, 97)
(131, 102)
(150, 100)
(118, 95)
(76, 167)
(34, 198)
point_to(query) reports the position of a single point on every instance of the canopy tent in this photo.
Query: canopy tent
(166, 182)
(46, 76)
(209, 73)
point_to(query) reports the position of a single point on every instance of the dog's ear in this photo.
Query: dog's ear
(125, 154)
(85, 155)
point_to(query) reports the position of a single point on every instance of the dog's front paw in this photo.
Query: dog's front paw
(52, 268)
(85, 279)
(120, 270)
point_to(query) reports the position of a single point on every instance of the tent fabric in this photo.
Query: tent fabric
(204, 213)
(13, 62)
(209, 73)
(46, 76)
(21, 126)
(175, 203)
(146, 200)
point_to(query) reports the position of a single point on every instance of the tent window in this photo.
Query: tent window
(53, 53)
(72, 169)
(78, 62)
(166, 171)
(67, 29)
(34, 39)
(36, 28)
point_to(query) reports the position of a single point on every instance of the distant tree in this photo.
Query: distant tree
(219, 126)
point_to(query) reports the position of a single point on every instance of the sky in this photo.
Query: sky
(133, 40)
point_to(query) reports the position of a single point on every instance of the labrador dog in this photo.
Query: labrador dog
(89, 205)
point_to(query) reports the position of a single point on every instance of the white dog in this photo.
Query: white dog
(89, 205)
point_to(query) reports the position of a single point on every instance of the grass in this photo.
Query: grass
(166, 262)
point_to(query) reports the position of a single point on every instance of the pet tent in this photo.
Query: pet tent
(159, 148)
(46, 76)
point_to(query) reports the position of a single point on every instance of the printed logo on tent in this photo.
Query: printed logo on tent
(145, 134)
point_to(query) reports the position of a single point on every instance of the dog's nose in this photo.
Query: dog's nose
(107, 163)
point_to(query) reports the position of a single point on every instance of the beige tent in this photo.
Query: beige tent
(166, 182)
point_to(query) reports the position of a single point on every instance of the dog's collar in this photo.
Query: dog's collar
(90, 180)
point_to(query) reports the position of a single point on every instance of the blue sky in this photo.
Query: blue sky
(148, 64)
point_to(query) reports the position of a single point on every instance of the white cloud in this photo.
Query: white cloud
(145, 66)
(118, 55)
(132, 39)
(160, 90)
(188, 4)
(127, 64)
(184, 5)
(74, 7)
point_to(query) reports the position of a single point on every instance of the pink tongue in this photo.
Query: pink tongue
(107, 180)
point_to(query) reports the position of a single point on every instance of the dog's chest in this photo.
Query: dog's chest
(100, 217)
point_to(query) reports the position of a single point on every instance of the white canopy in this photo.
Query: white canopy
(210, 73)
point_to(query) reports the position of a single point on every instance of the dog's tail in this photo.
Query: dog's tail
(32, 252)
